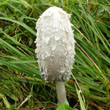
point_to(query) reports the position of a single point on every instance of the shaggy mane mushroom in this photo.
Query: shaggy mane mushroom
(55, 48)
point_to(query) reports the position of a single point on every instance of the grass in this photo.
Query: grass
(20, 83)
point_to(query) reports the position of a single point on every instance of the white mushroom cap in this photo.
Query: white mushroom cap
(55, 44)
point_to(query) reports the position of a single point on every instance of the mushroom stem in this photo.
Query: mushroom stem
(61, 93)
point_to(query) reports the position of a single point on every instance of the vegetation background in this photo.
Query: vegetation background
(21, 86)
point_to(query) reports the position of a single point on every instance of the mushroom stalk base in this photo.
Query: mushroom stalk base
(61, 93)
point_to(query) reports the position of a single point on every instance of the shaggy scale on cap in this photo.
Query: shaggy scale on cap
(55, 45)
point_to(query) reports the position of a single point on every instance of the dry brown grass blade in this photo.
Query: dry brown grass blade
(26, 99)
(88, 57)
